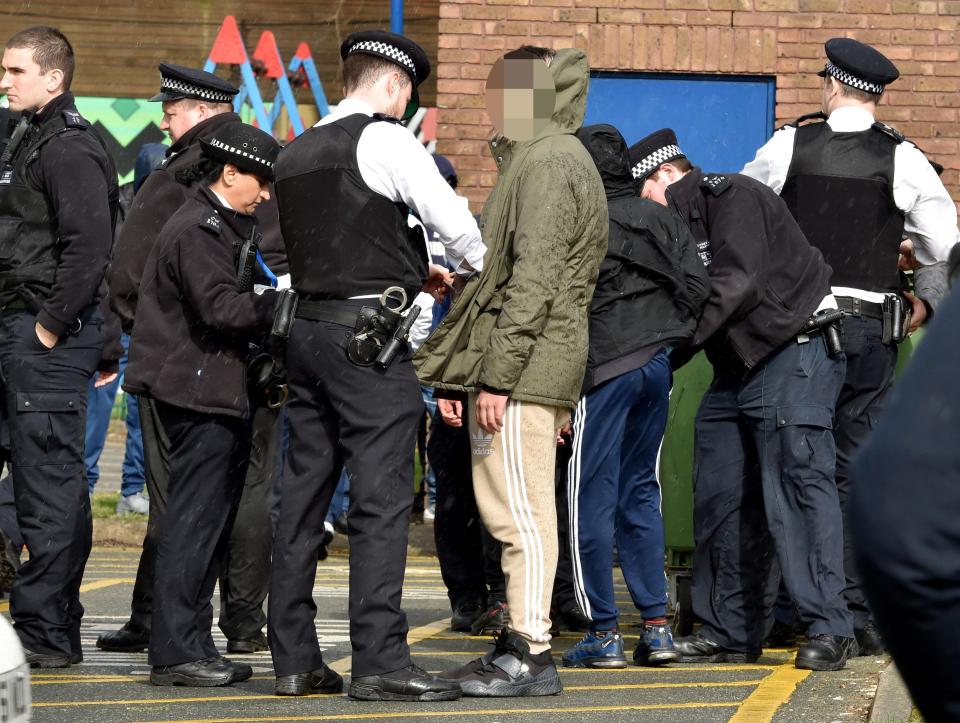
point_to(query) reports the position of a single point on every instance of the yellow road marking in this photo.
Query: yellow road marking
(774, 690)
(451, 713)
(654, 686)
(96, 585)
(414, 636)
(677, 669)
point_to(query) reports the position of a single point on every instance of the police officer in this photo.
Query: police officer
(191, 296)
(857, 188)
(764, 455)
(196, 105)
(344, 189)
(58, 194)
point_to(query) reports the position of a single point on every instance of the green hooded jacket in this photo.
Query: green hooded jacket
(521, 325)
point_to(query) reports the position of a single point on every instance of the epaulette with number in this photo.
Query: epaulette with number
(819, 115)
(890, 131)
(211, 221)
(715, 182)
(72, 119)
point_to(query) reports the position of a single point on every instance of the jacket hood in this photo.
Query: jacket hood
(611, 156)
(571, 74)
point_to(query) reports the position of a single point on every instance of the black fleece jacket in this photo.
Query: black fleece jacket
(652, 284)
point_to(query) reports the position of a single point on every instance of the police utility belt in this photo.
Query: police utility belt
(380, 332)
(895, 314)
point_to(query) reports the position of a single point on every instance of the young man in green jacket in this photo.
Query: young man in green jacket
(516, 341)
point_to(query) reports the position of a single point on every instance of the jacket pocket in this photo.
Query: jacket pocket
(49, 429)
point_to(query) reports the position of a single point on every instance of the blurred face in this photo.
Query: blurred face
(26, 87)
(179, 116)
(243, 191)
(654, 189)
(520, 97)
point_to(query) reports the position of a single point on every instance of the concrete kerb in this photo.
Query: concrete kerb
(892, 703)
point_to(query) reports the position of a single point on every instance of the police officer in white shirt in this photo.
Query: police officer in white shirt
(857, 188)
(345, 189)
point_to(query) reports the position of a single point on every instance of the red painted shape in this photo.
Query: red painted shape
(228, 47)
(269, 55)
(428, 127)
(303, 52)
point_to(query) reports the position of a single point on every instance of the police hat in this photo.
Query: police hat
(177, 83)
(648, 154)
(858, 65)
(248, 148)
(398, 50)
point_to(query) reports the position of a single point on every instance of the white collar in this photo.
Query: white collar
(849, 118)
(222, 200)
(347, 106)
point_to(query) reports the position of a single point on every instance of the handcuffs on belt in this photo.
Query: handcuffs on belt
(380, 333)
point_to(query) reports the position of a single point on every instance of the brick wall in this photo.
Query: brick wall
(771, 37)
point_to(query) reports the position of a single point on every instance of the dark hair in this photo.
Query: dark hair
(681, 164)
(361, 70)
(862, 95)
(206, 171)
(51, 50)
(545, 54)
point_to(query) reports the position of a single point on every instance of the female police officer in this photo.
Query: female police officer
(188, 354)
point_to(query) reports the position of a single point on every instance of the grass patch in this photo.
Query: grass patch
(104, 504)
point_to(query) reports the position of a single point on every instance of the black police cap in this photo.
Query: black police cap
(178, 82)
(398, 50)
(858, 65)
(248, 148)
(648, 154)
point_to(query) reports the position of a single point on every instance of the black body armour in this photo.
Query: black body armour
(342, 238)
(839, 188)
(29, 251)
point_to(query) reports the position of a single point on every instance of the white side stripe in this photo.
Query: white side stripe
(573, 505)
(536, 611)
(510, 475)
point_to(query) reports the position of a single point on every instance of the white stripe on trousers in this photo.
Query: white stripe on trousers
(522, 516)
(573, 506)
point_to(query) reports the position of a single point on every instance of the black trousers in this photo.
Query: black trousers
(904, 512)
(871, 366)
(564, 598)
(365, 418)
(764, 464)
(45, 409)
(209, 455)
(245, 570)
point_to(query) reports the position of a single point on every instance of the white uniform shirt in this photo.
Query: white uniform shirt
(395, 164)
(930, 214)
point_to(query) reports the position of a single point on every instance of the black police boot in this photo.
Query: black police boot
(128, 639)
(510, 671)
(826, 652)
(251, 645)
(241, 671)
(571, 619)
(463, 616)
(46, 660)
(698, 649)
(490, 621)
(321, 680)
(781, 636)
(204, 673)
(869, 640)
(412, 683)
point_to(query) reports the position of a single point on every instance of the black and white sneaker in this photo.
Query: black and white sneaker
(510, 671)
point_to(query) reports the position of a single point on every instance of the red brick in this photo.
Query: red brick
(686, 4)
(937, 115)
(698, 48)
(639, 48)
(843, 21)
(619, 16)
(873, 37)
(730, 4)
(684, 39)
(712, 59)
(460, 27)
(710, 17)
(754, 20)
(668, 49)
(518, 13)
(798, 20)
(575, 15)
(801, 50)
(654, 48)
(665, 17)
(450, 11)
(902, 22)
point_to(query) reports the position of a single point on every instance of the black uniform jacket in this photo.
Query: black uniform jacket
(766, 279)
(80, 182)
(156, 201)
(191, 341)
(652, 284)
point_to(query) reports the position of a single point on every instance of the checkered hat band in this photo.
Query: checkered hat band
(851, 80)
(661, 155)
(194, 91)
(390, 51)
(240, 152)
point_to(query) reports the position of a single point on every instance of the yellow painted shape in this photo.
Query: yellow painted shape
(96, 585)
(414, 636)
(772, 692)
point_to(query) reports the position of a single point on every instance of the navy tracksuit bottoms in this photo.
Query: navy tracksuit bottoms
(613, 490)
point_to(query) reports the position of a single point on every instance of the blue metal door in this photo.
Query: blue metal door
(720, 120)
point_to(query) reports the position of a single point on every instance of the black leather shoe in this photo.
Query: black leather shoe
(205, 673)
(571, 619)
(490, 621)
(463, 617)
(698, 649)
(76, 656)
(321, 680)
(781, 636)
(246, 647)
(46, 660)
(410, 683)
(241, 671)
(869, 640)
(826, 652)
(127, 639)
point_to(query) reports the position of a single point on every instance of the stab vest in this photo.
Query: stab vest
(29, 249)
(839, 188)
(342, 238)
